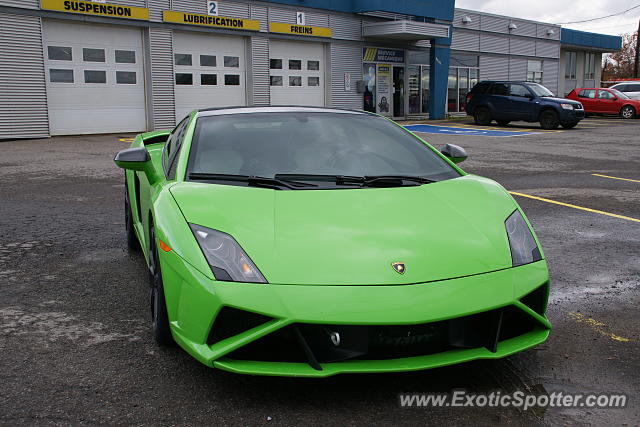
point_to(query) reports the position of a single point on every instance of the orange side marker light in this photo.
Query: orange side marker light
(164, 246)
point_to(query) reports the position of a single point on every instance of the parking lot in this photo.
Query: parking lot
(76, 345)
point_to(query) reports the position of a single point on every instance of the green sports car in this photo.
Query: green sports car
(311, 242)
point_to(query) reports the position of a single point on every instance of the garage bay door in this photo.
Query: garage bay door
(95, 78)
(296, 73)
(209, 71)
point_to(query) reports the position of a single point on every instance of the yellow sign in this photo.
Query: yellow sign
(94, 8)
(300, 30)
(210, 20)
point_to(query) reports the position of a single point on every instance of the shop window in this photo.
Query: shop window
(125, 56)
(313, 65)
(275, 81)
(275, 64)
(208, 79)
(126, 77)
(184, 78)
(232, 80)
(295, 64)
(570, 65)
(93, 55)
(208, 61)
(313, 81)
(589, 66)
(60, 76)
(95, 76)
(534, 71)
(295, 80)
(60, 53)
(231, 61)
(182, 59)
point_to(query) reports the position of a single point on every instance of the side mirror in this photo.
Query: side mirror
(137, 159)
(454, 153)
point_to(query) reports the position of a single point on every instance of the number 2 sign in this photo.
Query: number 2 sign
(212, 7)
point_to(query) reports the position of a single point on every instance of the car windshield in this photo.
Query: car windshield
(619, 94)
(315, 144)
(540, 90)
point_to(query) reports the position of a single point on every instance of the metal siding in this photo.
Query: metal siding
(494, 24)
(260, 70)
(260, 13)
(457, 20)
(524, 28)
(345, 59)
(133, 3)
(542, 32)
(494, 44)
(494, 68)
(193, 6)
(550, 70)
(23, 95)
(161, 52)
(233, 9)
(423, 43)
(287, 16)
(547, 49)
(317, 19)
(517, 69)
(346, 27)
(24, 4)
(156, 7)
(522, 46)
(465, 40)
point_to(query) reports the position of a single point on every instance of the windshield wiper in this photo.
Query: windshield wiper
(251, 180)
(338, 179)
(381, 179)
(363, 181)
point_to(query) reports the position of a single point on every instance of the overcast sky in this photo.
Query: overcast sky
(558, 11)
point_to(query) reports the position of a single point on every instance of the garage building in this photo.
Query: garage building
(83, 67)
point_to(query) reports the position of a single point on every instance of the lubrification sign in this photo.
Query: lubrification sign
(210, 20)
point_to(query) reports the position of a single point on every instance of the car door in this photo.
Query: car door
(588, 99)
(521, 102)
(608, 102)
(499, 101)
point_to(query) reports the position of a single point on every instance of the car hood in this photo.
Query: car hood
(442, 230)
(562, 100)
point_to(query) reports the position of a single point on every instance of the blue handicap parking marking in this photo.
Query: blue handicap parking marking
(448, 130)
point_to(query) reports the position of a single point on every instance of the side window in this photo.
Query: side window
(633, 88)
(172, 145)
(519, 90)
(176, 146)
(622, 88)
(587, 93)
(500, 89)
(604, 94)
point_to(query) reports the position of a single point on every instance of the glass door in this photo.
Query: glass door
(425, 70)
(398, 91)
(369, 95)
(414, 89)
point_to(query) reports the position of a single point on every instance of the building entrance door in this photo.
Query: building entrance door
(398, 91)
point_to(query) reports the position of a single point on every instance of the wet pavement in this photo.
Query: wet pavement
(76, 347)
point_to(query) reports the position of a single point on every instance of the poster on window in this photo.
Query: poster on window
(383, 92)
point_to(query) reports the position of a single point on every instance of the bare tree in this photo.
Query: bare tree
(621, 64)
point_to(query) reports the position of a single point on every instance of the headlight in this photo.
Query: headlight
(523, 246)
(567, 106)
(229, 263)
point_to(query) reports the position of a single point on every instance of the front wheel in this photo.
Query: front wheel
(628, 112)
(569, 125)
(549, 120)
(482, 116)
(159, 316)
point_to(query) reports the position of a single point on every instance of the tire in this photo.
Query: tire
(158, 304)
(569, 125)
(503, 122)
(482, 116)
(132, 240)
(549, 120)
(628, 112)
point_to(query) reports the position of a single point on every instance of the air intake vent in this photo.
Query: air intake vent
(231, 321)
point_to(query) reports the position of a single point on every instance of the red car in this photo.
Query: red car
(606, 101)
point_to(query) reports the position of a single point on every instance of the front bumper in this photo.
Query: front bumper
(269, 329)
(572, 116)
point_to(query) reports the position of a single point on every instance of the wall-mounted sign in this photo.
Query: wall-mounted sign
(210, 20)
(300, 30)
(212, 7)
(300, 18)
(374, 54)
(383, 90)
(95, 8)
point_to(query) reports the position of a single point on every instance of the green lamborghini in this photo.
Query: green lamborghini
(311, 242)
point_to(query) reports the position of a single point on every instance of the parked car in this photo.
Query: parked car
(631, 89)
(606, 101)
(505, 101)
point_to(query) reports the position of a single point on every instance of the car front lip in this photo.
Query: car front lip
(200, 300)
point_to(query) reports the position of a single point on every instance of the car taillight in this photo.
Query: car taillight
(469, 96)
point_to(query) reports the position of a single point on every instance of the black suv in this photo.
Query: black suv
(504, 102)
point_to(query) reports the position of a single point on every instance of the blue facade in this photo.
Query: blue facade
(591, 40)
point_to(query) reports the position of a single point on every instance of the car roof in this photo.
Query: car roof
(277, 109)
(509, 81)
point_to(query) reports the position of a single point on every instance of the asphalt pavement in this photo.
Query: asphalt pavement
(75, 341)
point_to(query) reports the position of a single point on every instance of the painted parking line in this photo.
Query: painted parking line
(614, 177)
(569, 205)
(597, 326)
(464, 131)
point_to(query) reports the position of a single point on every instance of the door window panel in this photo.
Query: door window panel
(605, 94)
(95, 76)
(60, 76)
(182, 59)
(231, 61)
(313, 81)
(93, 55)
(520, 91)
(275, 81)
(60, 53)
(295, 80)
(208, 61)
(184, 78)
(125, 56)
(232, 80)
(208, 79)
(126, 77)
(295, 64)
(275, 64)
(587, 93)
(313, 65)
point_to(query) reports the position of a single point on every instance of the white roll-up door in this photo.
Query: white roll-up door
(210, 71)
(296, 73)
(95, 78)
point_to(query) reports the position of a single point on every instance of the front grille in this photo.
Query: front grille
(231, 321)
(537, 300)
(315, 344)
